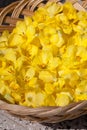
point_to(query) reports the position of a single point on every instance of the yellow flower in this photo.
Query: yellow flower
(10, 55)
(36, 42)
(33, 82)
(53, 8)
(46, 76)
(69, 11)
(15, 40)
(14, 86)
(16, 97)
(20, 28)
(7, 73)
(30, 33)
(48, 31)
(53, 63)
(67, 29)
(4, 88)
(78, 28)
(57, 39)
(9, 98)
(30, 73)
(82, 53)
(84, 41)
(61, 82)
(40, 98)
(80, 97)
(28, 21)
(4, 39)
(44, 40)
(49, 88)
(19, 63)
(54, 50)
(81, 91)
(62, 99)
(33, 50)
(82, 15)
(45, 56)
(49, 100)
(34, 99)
(40, 15)
(61, 18)
(82, 87)
(30, 99)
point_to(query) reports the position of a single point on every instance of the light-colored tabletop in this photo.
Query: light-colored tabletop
(9, 122)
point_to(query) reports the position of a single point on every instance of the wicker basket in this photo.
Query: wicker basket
(8, 18)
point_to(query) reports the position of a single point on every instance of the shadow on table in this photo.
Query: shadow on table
(79, 123)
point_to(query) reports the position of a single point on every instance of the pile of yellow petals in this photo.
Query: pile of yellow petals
(43, 61)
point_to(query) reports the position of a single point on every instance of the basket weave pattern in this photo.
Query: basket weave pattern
(8, 18)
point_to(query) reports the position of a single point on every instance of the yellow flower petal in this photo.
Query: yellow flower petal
(46, 76)
(62, 99)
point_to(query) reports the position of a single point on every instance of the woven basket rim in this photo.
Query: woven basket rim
(40, 114)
